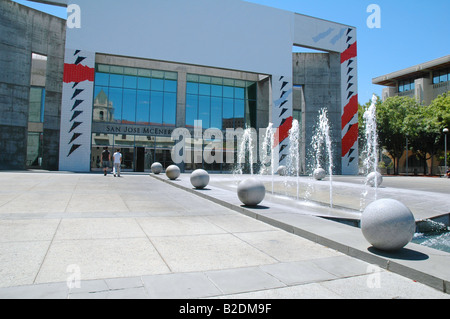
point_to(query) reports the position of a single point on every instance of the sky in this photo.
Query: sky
(410, 32)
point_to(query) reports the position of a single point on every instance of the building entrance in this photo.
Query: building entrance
(138, 152)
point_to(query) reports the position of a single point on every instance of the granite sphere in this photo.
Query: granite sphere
(374, 177)
(251, 192)
(156, 168)
(199, 178)
(173, 172)
(282, 170)
(319, 174)
(388, 224)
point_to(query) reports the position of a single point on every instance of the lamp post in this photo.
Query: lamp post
(445, 130)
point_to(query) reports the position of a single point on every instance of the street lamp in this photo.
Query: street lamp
(445, 130)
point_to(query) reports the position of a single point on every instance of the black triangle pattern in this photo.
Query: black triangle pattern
(76, 113)
(350, 84)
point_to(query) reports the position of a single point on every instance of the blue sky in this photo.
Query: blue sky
(412, 32)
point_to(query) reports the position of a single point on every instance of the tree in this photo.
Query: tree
(392, 128)
(424, 126)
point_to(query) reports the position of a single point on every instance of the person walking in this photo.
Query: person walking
(105, 159)
(117, 158)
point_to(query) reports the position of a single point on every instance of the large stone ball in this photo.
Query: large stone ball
(282, 170)
(251, 192)
(388, 224)
(156, 168)
(199, 178)
(374, 177)
(173, 172)
(319, 174)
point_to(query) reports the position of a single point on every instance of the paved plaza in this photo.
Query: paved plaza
(66, 235)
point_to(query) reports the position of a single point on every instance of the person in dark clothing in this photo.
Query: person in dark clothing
(106, 158)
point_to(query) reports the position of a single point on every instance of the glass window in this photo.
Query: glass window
(156, 107)
(216, 112)
(228, 113)
(143, 83)
(192, 88)
(216, 90)
(143, 107)
(102, 79)
(205, 89)
(157, 85)
(204, 109)
(191, 109)
(239, 93)
(158, 74)
(102, 104)
(170, 108)
(443, 77)
(36, 105)
(129, 106)
(116, 98)
(436, 77)
(116, 80)
(116, 69)
(145, 73)
(239, 109)
(170, 86)
(171, 76)
(228, 91)
(129, 82)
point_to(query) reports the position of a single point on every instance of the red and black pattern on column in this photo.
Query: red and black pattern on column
(76, 73)
(350, 103)
(282, 115)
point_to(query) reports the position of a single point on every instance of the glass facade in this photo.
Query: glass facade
(135, 96)
(36, 105)
(143, 97)
(407, 85)
(220, 102)
(441, 76)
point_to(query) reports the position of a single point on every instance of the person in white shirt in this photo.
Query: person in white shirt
(117, 160)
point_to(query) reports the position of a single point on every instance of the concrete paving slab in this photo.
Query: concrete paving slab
(200, 236)
(178, 226)
(208, 252)
(284, 247)
(295, 273)
(20, 262)
(98, 228)
(233, 281)
(176, 286)
(101, 258)
(28, 230)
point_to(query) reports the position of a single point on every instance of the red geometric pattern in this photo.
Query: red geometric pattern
(351, 52)
(78, 73)
(283, 131)
(350, 110)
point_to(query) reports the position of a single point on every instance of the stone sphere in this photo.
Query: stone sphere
(251, 192)
(173, 172)
(281, 170)
(156, 168)
(372, 177)
(388, 224)
(319, 174)
(199, 178)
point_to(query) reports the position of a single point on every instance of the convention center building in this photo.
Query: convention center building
(127, 74)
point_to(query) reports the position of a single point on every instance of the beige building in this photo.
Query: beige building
(424, 82)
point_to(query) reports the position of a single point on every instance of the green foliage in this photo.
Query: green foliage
(399, 118)
(392, 124)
